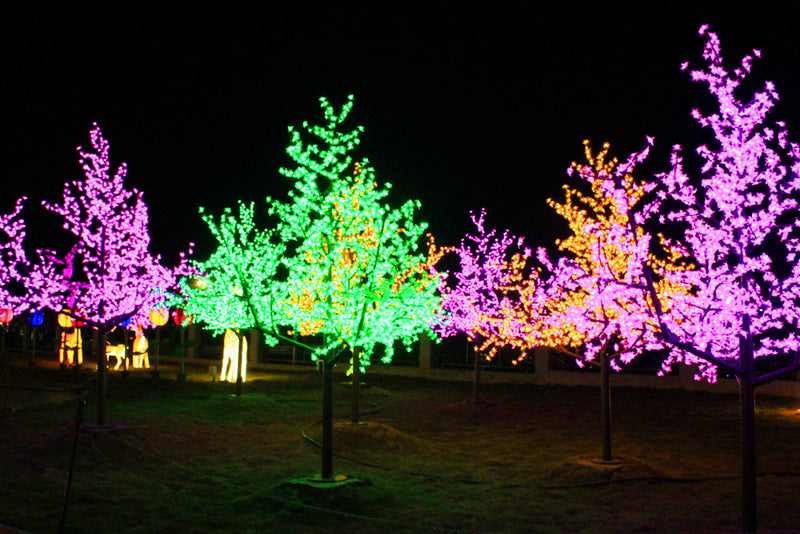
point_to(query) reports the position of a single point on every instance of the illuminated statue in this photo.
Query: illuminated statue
(230, 356)
(117, 352)
(139, 355)
(70, 351)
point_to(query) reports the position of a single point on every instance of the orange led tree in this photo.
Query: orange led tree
(594, 305)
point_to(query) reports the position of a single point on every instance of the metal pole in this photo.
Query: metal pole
(605, 402)
(748, 430)
(355, 408)
(239, 366)
(78, 419)
(327, 420)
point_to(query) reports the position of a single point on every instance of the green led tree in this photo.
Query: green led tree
(339, 264)
(356, 272)
(238, 288)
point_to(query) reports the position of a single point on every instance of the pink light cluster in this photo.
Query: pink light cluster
(482, 300)
(109, 275)
(12, 260)
(601, 301)
(741, 222)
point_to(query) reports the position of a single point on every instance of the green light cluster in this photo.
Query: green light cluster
(340, 264)
(236, 289)
(357, 274)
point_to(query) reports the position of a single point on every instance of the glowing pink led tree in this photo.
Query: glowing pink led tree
(109, 275)
(12, 260)
(742, 228)
(481, 300)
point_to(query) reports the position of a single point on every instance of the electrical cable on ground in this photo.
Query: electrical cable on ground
(45, 387)
(217, 478)
(610, 481)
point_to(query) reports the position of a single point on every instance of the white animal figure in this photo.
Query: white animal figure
(118, 352)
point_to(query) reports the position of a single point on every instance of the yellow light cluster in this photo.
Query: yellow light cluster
(602, 247)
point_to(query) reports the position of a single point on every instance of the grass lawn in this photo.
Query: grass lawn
(194, 458)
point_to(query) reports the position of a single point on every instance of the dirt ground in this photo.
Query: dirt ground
(194, 457)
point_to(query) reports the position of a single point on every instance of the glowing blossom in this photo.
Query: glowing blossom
(238, 286)
(12, 261)
(119, 278)
(595, 297)
(356, 275)
(742, 229)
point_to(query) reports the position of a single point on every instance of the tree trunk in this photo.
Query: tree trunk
(748, 435)
(327, 420)
(154, 372)
(239, 365)
(476, 385)
(605, 403)
(355, 407)
(748, 430)
(5, 364)
(182, 358)
(102, 376)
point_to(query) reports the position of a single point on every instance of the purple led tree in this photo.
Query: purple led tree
(116, 278)
(742, 229)
(12, 260)
(481, 300)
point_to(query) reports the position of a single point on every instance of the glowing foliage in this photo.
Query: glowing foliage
(356, 274)
(596, 292)
(116, 278)
(12, 260)
(741, 226)
(339, 263)
(481, 300)
(238, 287)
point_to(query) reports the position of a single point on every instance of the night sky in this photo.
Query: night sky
(462, 108)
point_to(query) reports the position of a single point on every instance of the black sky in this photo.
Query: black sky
(462, 107)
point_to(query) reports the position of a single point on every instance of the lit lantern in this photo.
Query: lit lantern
(180, 317)
(36, 318)
(230, 357)
(6, 314)
(159, 317)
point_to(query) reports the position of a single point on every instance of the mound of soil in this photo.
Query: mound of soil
(349, 438)
(588, 470)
